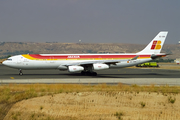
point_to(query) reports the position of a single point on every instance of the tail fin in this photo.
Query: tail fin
(156, 44)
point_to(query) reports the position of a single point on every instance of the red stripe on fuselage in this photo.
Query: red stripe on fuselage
(83, 56)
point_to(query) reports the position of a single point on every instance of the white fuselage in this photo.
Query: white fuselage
(20, 62)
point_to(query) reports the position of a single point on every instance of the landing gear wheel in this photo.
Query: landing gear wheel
(88, 73)
(94, 74)
(20, 73)
(83, 73)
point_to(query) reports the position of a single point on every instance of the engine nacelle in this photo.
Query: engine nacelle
(62, 68)
(75, 68)
(100, 66)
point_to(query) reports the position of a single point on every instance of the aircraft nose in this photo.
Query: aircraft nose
(4, 62)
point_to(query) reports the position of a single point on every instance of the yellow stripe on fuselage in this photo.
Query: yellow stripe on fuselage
(29, 57)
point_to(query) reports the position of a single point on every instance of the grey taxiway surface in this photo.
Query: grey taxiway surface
(138, 76)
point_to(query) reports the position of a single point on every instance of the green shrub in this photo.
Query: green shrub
(171, 100)
(119, 115)
(142, 104)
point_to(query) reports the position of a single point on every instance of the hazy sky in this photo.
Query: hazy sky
(92, 21)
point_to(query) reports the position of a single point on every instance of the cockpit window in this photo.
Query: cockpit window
(9, 59)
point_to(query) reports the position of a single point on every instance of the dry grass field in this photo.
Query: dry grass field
(89, 102)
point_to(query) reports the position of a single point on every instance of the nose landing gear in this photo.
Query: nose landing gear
(20, 72)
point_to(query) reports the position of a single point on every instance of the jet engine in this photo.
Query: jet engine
(100, 66)
(62, 68)
(75, 68)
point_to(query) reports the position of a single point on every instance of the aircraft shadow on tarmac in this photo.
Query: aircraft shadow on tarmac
(78, 75)
(150, 75)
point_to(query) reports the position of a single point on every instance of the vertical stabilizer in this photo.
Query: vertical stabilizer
(156, 44)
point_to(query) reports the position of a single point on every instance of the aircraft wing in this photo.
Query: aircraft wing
(94, 62)
(99, 61)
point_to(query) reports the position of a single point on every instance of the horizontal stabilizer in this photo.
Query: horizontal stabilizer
(153, 56)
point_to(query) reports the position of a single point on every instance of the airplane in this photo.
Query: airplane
(88, 63)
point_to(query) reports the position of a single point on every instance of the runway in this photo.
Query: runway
(110, 76)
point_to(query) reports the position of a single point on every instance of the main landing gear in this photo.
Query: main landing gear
(89, 73)
(20, 72)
